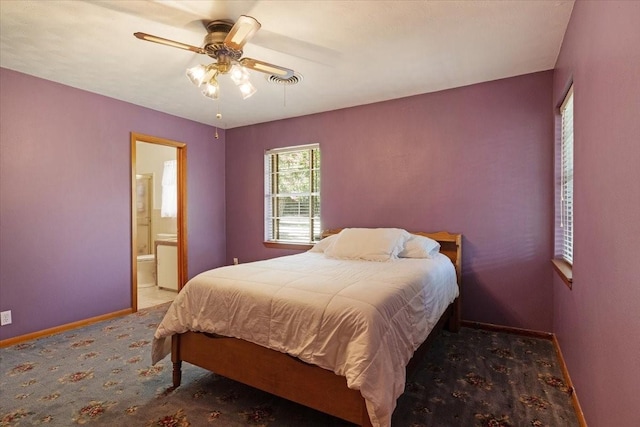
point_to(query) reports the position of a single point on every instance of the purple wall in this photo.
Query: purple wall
(65, 200)
(598, 322)
(476, 160)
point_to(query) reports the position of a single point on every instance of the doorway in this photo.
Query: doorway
(158, 219)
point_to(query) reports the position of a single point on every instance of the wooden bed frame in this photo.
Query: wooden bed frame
(288, 377)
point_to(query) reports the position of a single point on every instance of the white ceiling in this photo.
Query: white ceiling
(348, 52)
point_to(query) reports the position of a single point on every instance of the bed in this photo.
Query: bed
(320, 354)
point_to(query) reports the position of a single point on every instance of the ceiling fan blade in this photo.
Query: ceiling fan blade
(265, 67)
(167, 42)
(244, 28)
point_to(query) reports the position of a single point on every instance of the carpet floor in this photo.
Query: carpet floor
(101, 375)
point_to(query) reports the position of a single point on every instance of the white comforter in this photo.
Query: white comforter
(360, 319)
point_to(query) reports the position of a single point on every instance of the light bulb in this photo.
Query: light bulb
(247, 89)
(211, 89)
(239, 74)
(196, 74)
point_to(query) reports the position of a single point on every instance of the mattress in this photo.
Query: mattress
(360, 319)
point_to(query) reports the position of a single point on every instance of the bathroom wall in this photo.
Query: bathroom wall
(150, 159)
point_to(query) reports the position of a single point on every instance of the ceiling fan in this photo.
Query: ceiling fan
(224, 42)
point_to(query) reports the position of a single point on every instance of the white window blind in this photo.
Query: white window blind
(566, 191)
(292, 194)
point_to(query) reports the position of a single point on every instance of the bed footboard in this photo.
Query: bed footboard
(283, 375)
(269, 370)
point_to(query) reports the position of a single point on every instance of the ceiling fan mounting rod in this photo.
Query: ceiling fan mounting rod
(224, 63)
(214, 46)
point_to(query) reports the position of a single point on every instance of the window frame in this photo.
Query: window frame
(564, 227)
(271, 193)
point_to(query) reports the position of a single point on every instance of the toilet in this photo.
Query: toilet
(147, 263)
(146, 271)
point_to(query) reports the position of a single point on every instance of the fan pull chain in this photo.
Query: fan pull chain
(218, 117)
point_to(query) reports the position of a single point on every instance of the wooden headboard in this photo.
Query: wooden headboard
(450, 245)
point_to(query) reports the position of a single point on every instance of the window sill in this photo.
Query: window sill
(565, 270)
(284, 245)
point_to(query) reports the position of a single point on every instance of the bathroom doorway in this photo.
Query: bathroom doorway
(158, 220)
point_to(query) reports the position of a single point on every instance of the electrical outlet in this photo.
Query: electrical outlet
(5, 318)
(235, 261)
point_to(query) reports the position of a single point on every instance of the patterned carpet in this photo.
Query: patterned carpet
(101, 375)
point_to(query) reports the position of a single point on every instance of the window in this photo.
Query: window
(566, 183)
(169, 205)
(292, 194)
(563, 261)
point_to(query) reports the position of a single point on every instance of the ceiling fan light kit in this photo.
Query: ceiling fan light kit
(224, 42)
(247, 89)
(201, 74)
(211, 89)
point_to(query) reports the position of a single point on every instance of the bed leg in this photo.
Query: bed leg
(177, 374)
(453, 324)
(177, 360)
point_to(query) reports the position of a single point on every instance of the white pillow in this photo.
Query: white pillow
(371, 244)
(324, 243)
(420, 247)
